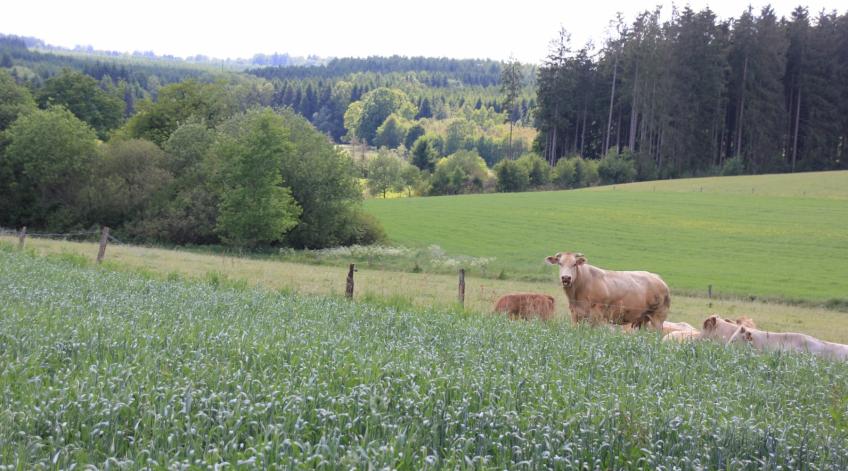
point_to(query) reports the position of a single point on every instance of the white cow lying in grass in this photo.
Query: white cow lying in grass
(790, 341)
(715, 328)
(743, 330)
(679, 332)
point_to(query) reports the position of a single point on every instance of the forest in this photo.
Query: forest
(699, 95)
(275, 151)
(181, 153)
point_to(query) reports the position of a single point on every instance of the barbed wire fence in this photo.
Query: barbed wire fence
(75, 236)
(463, 289)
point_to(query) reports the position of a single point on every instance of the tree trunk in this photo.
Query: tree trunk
(554, 147)
(787, 144)
(618, 133)
(576, 136)
(738, 150)
(612, 100)
(510, 140)
(795, 133)
(631, 142)
(583, 131)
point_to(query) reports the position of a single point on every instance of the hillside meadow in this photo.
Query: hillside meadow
(787, 239)
(120, 370)
(376, 283)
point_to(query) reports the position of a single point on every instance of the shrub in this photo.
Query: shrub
(364, 229)
(733, 166)
(462, 172)
(537, 169)
(617, 168)
(511, 176)
(563, 173)
(585, 172)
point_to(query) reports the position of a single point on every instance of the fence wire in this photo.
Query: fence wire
(481, 293)
(49, 235)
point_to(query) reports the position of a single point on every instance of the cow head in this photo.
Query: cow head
(568, 263)
(742, 335)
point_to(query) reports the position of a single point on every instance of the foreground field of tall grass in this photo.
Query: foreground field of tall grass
(771, 236)
(120, 370)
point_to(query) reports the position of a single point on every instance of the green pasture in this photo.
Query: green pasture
(774, 242)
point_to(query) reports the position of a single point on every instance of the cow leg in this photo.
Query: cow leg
(574, 318)
(657, 323)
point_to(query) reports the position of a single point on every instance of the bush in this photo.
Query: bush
(511, 176)
(585, 172)
(462, 172)
(646, 168)
(563, 173)
(538, 170)
(734, 166)
(364, 229)
(617, 168)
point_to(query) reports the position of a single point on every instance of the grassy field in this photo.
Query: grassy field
(122, 371)
(776, 242)
(402, 288)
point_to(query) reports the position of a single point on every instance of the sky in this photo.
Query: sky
(352, 28)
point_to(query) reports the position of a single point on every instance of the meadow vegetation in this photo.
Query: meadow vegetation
(783, 240)
(389, 276)
(120, 370)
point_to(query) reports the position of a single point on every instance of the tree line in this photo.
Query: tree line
(206, 163)
(432, 71)
(698, 95)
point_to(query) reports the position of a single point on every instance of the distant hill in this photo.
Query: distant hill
(257, 60)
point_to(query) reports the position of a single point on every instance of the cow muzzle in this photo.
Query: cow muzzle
(566, 281)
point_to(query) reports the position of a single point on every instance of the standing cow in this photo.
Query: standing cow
(618, 297)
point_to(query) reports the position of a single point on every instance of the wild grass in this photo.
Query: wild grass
(116, 370)
(776, 243)
(423, 290)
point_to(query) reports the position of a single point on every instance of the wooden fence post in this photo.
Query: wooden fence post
(349, 285)
(104, 239)
(710, 291)
(22, 238)
(462, 287)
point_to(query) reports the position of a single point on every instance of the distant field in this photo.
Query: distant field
(121, 371)
(776, 242)
(832, 185)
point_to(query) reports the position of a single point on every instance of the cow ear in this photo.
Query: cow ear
(553, 259)
(748, 337)
(581, 259)
(710, 323)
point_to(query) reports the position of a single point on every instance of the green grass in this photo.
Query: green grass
(121, 371)
(832, 185)
(378, 281)
(773, 243)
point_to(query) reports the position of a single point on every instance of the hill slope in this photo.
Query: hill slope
(771, 243)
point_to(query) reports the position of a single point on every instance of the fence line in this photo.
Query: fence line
(486, 293)
(48, 235)
(105, 237)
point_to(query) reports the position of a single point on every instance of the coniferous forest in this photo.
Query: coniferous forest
(697, 94)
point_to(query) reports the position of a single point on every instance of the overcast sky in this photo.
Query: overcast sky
(453, 28)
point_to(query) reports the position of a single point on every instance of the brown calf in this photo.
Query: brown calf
(526, 306)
